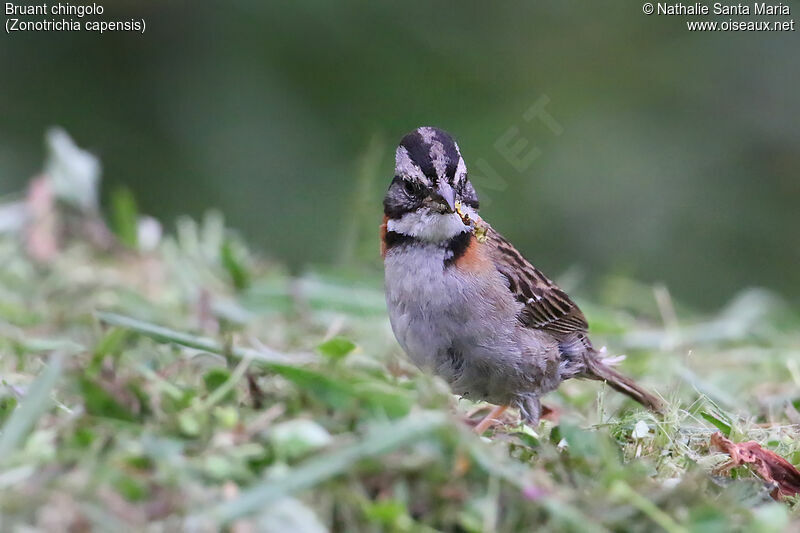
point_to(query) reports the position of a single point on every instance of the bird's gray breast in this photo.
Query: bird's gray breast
(460, 325)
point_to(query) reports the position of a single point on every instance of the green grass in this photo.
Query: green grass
(196, 387)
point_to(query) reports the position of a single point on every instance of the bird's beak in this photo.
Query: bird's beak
(445, 193)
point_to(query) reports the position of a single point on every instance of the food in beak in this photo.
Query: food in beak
(478, 227)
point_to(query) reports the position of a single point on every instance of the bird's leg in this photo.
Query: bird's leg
(490, 419)
(530, 408)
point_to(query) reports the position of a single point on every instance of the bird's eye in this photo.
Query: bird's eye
(410, 188)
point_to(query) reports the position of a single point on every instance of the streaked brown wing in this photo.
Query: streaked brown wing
(546, 306)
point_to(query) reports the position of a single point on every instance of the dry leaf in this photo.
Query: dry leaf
(553, 414)
(769, 465)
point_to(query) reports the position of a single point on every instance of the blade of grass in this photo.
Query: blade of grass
(512, 473)
(125, 217)
(33, 404)
(220, 392)
(323, 467)
(339, 394)
(724, 427)
(162, 334)
(624, 491)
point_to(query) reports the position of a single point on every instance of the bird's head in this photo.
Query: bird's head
(430, 181)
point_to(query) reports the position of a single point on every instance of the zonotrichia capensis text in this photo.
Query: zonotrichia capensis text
(464, 303)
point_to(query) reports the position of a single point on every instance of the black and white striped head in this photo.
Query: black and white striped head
(429, 178)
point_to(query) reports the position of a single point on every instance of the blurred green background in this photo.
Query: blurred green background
(677, 158)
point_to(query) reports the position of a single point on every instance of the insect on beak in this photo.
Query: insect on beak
(445, 194)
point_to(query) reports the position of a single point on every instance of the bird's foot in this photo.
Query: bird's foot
(491, 419)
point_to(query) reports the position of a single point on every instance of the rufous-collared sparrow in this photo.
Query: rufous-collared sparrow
(464, 303)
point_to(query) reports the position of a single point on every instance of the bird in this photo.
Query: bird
(463, 302)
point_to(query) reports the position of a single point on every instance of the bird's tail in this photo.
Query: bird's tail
(596, 369)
